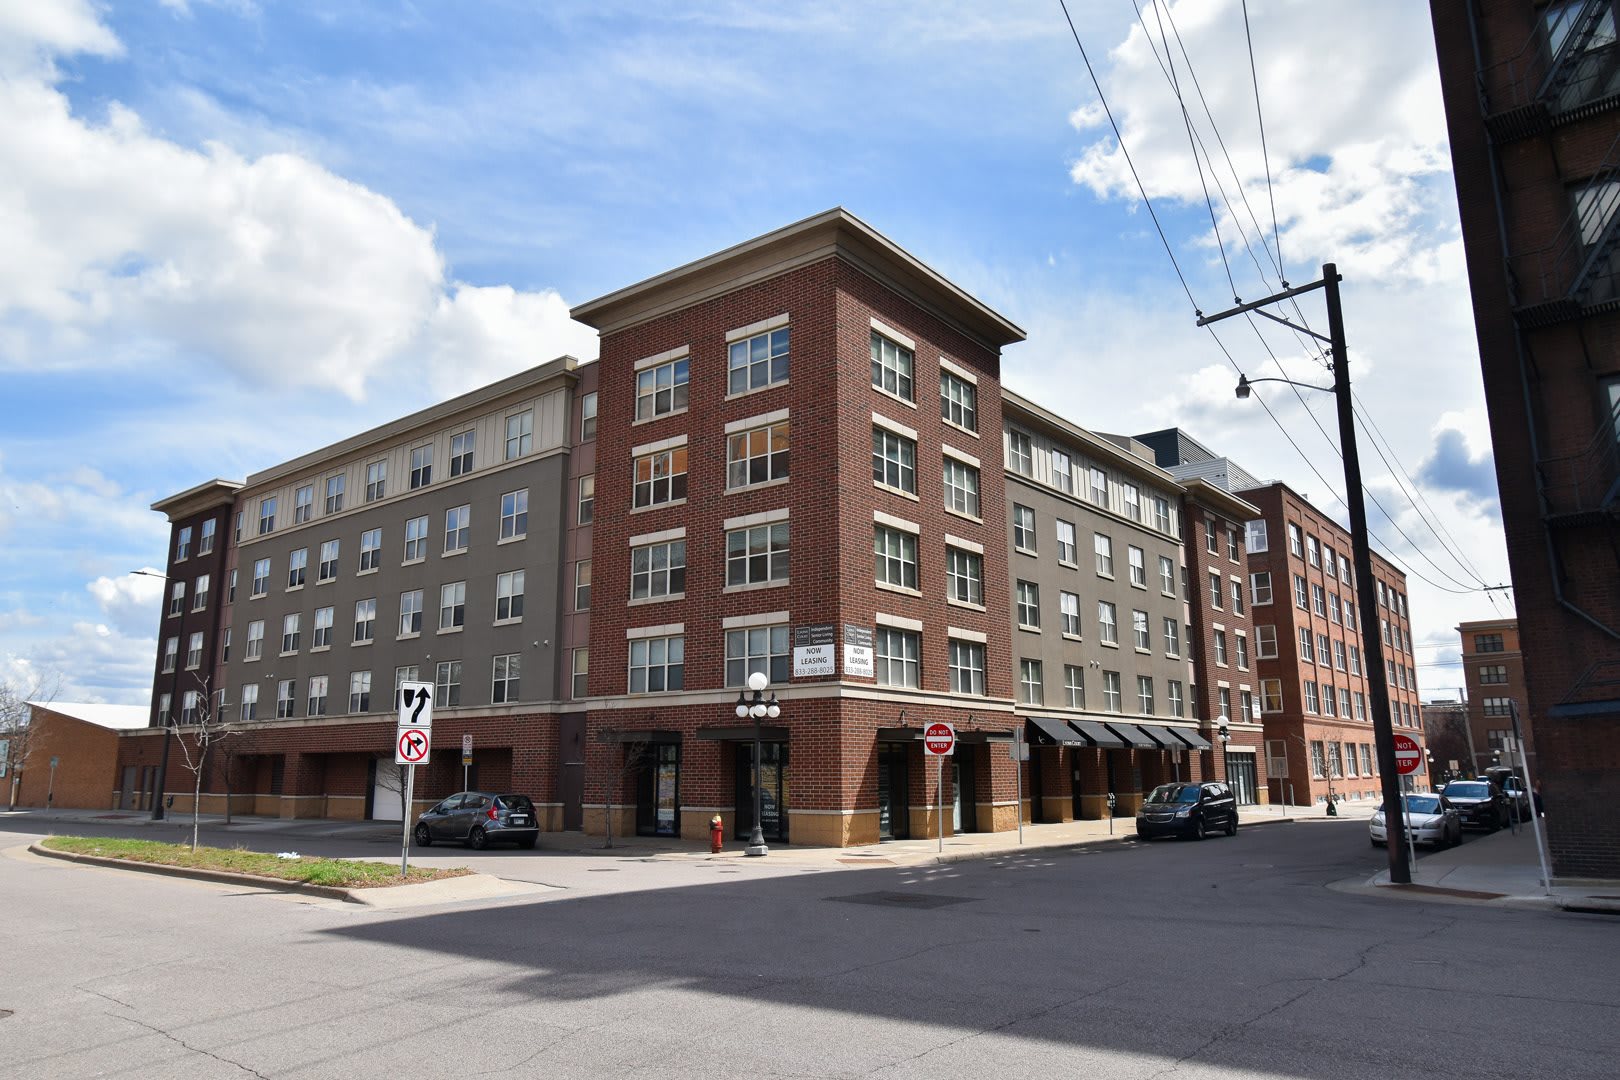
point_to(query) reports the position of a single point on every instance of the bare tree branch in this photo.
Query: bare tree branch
(17, 736)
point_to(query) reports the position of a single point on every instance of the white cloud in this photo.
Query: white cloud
(130, 601)
(479, 334)
(32, 32)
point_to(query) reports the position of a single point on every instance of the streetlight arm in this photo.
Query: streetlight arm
(1244, 383)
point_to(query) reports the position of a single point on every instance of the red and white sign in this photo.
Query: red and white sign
(1408, 754)
(939, 739)
(411, 748)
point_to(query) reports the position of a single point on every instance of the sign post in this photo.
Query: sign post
(1408, 756)
(1020, 754)
(940, 740)
(413, 742)
(466, 759)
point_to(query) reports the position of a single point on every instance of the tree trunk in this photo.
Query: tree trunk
(196, 809)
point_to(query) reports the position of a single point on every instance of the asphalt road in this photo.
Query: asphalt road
(1222, 959)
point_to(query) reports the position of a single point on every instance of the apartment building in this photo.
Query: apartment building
(1493, 673)
(1532, 98)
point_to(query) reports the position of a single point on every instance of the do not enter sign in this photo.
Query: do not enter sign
(939, 739)
(1408, 755)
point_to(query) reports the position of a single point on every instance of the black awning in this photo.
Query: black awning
(899, 734)
(1190, 737)
(1132, 735)
(1099, 735)
(649, 735)
(1161, 736)
(744, 733)
(1050, 731)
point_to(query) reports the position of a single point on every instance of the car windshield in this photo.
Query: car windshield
(1468, 791)
(1174, 793)
(1422, 804)
(519, 803)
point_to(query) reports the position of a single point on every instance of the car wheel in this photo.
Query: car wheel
(1231, 826)
(1375, 843)
(478, 840)
(528, 842)
(1199, 832)
(423, 837)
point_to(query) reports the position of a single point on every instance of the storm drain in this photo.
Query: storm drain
(920, 901)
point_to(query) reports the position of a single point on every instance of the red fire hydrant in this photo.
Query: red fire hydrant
(717, 835)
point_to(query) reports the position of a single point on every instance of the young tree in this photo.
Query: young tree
(391, 778)
(19, 738)
(206, 723)
(635, 754)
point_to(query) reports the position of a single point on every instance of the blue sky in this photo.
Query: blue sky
(238, 231)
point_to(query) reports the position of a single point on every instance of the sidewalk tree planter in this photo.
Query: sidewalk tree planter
(334, 873)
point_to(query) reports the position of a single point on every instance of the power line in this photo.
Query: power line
(1264, 155)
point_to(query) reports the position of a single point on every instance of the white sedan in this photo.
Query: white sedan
(1430, 819)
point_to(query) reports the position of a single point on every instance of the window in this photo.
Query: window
(1139, 631)
(297, 564)
(1301, 594)
(1023, 528)
(892, 368)
(1104, 548)
(1214, 589)
(894, 460)
(237, 531)
(1099, 487)
(1366, 759)
(205, 543)
(1030, 690)
(660, 477)
(897, 657)
(1220, 647)
(1339, 661)
(1487, 642)
(662, 388)
(759, 554)
(1498, 706)
(1138, 560)
(1062, 470)
(416, 530)
(194, 647)
(657, 664)
(961, 488)
(1178, 706)
(509, 596)
(1257, 541)
(1074, 686)
(757, 648)
(1240, 650)
(303, 504)
(964, 575)
(967, 667)
(758, 456)
(421, 466)
(1020, 455)
(1271, 699)
(1231, 543)
(582, 585)
(1111, 695)
(255, 640)
(1493, 673)
(1144, 694)
(1313, 550)
(1260, 587)
(285, 698)
(1065, 540)
(182, 544)
(267, 515)
(1312, 705)
(1107, 623)
(317, 695)
(587, 417)
(452, 605)
(1132, 499)
(580, 675)
(1323, 650)
(376, 481)
(1344, 570)
(1212, 539)
(261, 578)
(1069, 613)
(322, 638)
(504, 682)
(519, 434)
(1307, 651)
(461, 453)
(1355, 660)
(447, 684)
(370, 550)
(1344, 708)
(1296, 541)
(329, 561)
(894, 552)
(360, 691)
(1167, 576)
(515, 514)
(757, 362)
(1335, 760)
(199, 593)
(1318, 600)
(410, 613)
(177, 598)
(1172, 636)
(289, 634)
(457, 528)
(1265, 642)
(1333, 607)
(365, 620)
(1237, 597)
(958, 401)
(587, 499)
(1161, 513)
(334, 493)
(250, 702)
(1029, 605)
(406, 673)
(658, 570)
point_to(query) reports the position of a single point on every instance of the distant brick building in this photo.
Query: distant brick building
(1493, 672)
(82, 740)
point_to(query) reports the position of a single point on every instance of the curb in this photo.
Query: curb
(222, 876)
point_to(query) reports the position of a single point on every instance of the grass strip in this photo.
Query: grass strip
(338, 873)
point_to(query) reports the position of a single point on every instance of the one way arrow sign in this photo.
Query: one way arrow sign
(415, 705)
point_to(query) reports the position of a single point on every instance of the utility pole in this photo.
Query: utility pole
(1400, 867)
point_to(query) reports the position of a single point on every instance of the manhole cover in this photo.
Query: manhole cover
(921, 901)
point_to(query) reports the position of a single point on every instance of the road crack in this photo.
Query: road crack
(181, 1042)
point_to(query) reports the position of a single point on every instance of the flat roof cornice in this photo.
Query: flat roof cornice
(204, 496)
(835, 232)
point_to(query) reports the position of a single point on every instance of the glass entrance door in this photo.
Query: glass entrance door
(964, 808)
(657, 791)
(1241, 774)
(773, 789)
(894, 810)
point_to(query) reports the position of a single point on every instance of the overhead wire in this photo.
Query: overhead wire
(1264, 154)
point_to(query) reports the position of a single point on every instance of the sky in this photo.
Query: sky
(237, 231)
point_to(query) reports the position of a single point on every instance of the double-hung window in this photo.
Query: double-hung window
(255, 640)
(289, 634)
(1020, 454)
(504, 683)
(370, 550)
(1031, 690)
(1069, 613)
(303, 504)
(365, 620)
(587, 499)
(447, 684)
(194, 645)
(462, 446)
(897, 657)
(657, 664)
(967, 667)
(1167, 576)
(1104, 548)
(1062, 470)
(1237, 597)
(658, 570)
(662, 388)
(519, 434)
(757, 456)
(421, 466)
(660, 477)
(177, 598)
(1144, 694)
(1111, 695)
(1240, 643)
(1029, 605)
(958, 400)
(182, 545)
(1107, 623)
(515, 514)
(1260, 587)
(322, 637)
(892, 366)
(416, 531)
(452, 605)
(1138, 562)
(1099, 487)
(317, 694)
(360, 691)
(1065, 542)
(509, 596)
(582, 585)
(1023, 528)
(961, 487)
(267, 515)
(587, 417)
(250, 702)
(261, 577)
(1140, 632)
(1131, 496)
(894, 460)
(205, 543)
(758, 554)
(199, 593)
(334, 493)
(1307, 650)
(457, 528)
(758, 361)
(410, 613)
(376, 481)
(329, 561)
(895, 555)
(297, 565)
(1074, 686)
(1220, 647)
(1172, 636)
(757, 648)
(964, 575)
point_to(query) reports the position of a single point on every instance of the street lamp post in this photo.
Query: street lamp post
(1400, 867)
(758, 708)
(1223, 733)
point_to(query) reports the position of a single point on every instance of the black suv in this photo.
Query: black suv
(1482, 804)
(480, 818)
(1193, 810)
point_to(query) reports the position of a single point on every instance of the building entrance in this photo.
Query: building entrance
(1241, 774)
(773, 789)
(658, 791)
(894, 806)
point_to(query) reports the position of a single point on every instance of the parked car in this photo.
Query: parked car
(478, 819)
(1481, 803)
(1193, 810)
(1429, 818)
(1513, 787)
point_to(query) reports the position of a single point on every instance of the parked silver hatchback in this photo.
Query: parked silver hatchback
(478, 819)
